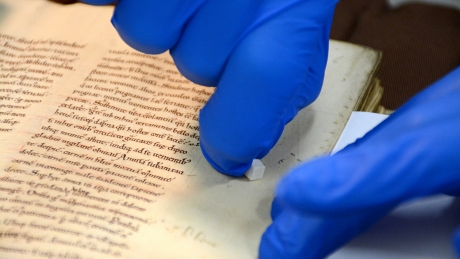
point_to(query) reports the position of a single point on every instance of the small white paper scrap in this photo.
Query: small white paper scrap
(357, 126)
(256, 171)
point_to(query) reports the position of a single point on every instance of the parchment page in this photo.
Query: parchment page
(100, 149)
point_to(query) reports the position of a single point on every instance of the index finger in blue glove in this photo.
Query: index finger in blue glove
(276, 70)
(414, 153)
(152, 27)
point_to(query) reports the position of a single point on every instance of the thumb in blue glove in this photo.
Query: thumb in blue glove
(414, 153)
(266, 57)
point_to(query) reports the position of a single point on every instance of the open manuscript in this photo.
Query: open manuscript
(100, 152)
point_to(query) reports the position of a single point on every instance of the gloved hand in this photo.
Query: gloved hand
(323, 204)
(266, 57)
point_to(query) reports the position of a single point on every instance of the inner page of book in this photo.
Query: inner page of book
(100, 152)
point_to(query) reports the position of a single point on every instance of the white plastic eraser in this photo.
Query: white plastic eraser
(256, 171)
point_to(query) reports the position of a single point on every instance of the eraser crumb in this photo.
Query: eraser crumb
(256, 171)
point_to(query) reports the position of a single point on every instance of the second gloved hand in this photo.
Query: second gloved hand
(266, 57)
(414, 153)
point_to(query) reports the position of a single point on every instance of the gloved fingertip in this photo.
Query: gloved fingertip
(138, 27)
(194, 67)
(292, 187)
(317, 186)
(269, 246)
(225, 166)
(98, 2)
(138, 41)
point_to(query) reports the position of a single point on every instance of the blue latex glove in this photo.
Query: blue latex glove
(323, 204)
(267, 58)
